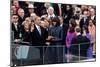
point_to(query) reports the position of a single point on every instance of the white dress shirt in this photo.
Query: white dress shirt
(92, 17)
(38, 28)
(49, 16)
(15, 24)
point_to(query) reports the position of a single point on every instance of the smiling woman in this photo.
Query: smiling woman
(51, 33)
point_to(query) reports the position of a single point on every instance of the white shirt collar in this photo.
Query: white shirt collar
(61, 25)
(92, 17)
(16, 23)
(78, 34)
(53, 15)
(37, 26)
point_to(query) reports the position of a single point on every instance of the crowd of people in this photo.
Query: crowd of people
(43, 24)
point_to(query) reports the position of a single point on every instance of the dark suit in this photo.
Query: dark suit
(37, 39)
(83, 23)
(16, 31)
(26, 36)
(81, 41)
(20, 20)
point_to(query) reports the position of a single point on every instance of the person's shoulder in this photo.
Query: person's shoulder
(59, 27)
(80, 37)
(73, 41)
(86, 38)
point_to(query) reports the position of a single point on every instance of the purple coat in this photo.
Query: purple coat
(69, 37)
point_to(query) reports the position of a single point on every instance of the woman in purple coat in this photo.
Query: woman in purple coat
(70, 34)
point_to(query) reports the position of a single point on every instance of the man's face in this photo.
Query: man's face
(50, 11)
(31, 10)
(15, 18)
(21, 13)
(33, 16)
(38, 21)
(85, 13)
(92, 11)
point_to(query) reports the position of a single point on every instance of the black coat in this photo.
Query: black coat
(16, 32)
(81, 41)
(20, 20)
(26, 36)
(37, 39)
(82, 23)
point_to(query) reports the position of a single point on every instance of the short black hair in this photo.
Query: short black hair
(78, 30)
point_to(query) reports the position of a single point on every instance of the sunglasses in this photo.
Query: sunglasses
(15, 17)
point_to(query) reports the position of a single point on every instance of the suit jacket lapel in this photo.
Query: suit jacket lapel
(37, 32)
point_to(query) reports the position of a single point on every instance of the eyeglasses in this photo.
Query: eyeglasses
(15, 17)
